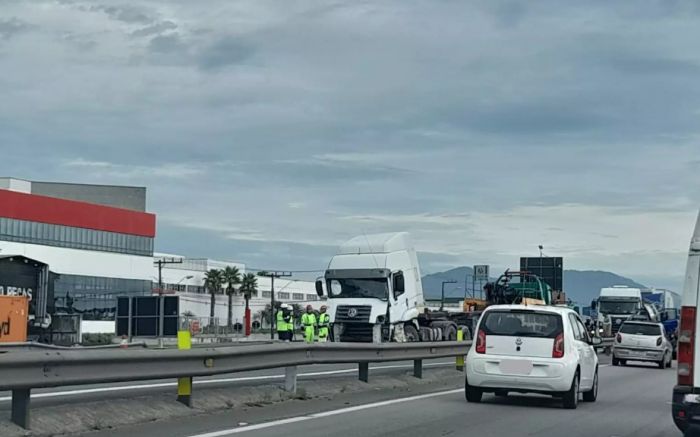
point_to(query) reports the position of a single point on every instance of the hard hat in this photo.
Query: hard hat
(285, 306)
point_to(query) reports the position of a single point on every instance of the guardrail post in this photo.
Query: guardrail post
(184, 385)
(459, 361)
(418, 369)
(364, 371)
(20, 407)
(290, 379)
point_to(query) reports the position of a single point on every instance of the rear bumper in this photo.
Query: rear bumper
(557, 380)
(623, 353)
(685, 407)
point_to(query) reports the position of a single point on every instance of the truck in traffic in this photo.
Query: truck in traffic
(617, 304)
(374, 293)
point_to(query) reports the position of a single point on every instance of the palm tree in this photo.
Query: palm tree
(232, 277)
(212, 281)
(249, 286)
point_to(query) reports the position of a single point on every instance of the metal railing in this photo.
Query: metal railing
(21, 372)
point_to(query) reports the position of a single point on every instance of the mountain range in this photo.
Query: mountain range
(581, 286)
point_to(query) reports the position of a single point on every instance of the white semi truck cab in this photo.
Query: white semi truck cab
(617, 304)
(374, 292)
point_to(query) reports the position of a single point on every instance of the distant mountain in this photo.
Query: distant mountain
(580, 286)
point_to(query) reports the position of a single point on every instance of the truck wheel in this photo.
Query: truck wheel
(450, 333)
(411, 334)
(425, 333)
(571, 396)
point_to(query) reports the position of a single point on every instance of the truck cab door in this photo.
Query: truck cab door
(397, 300)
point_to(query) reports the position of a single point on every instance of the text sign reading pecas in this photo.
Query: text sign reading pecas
(7, 290)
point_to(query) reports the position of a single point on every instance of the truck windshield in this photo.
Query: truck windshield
(618, 307)
(375, 288)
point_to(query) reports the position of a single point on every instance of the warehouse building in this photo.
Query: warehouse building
(74, 247)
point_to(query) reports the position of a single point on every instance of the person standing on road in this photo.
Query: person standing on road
(308, 320)
(284, 325)
(324, 320)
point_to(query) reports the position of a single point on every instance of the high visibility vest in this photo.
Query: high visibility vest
(308, 319)
(324, 320)
(281, 323)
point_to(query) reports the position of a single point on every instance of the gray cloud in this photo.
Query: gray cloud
(11, 27)
(226, 51)
(462, 122)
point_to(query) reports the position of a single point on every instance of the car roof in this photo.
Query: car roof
(547, 308)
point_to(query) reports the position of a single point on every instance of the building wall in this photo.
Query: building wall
(133, 198)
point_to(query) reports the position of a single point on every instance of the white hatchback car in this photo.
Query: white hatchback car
(532, 349)
(642, 341)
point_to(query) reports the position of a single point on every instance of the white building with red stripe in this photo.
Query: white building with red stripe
(96, 240)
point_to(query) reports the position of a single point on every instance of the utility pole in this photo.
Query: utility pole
(272, 276)
(442, 300)
(160, 262)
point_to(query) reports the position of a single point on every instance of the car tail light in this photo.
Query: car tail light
(619, 338)
(481, 342)
(558, 348)
(659, 341)
(686, 346)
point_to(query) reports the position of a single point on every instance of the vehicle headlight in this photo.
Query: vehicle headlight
(600, 330)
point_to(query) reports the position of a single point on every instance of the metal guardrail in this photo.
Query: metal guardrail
(22, 371)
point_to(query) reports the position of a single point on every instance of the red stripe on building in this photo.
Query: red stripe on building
(51, 210)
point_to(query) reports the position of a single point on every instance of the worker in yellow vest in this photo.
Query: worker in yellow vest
(285, 326)
(324, 321)
(308, 321)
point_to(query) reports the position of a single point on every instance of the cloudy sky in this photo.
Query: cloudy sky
(269, 132)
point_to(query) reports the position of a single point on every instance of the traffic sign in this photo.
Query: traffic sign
(481, 272)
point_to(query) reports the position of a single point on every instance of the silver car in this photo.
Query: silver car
(642, 341)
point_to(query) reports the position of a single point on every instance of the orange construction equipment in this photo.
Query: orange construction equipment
(14, 318)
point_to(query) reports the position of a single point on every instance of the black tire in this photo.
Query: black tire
(623, 362)
(449, 333)
(411, 334)
(472, 394)
(570, 398)
(615, 362)
(662, 363)
(592, 394)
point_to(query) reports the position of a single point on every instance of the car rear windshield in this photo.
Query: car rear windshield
(640, 329)
(524, 323)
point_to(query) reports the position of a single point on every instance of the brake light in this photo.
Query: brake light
(686, 346)
(658, 341)
(558, 348)
(619, 338)
(481, 342)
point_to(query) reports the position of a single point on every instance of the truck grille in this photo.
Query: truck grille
(352, 313)
(615, 324)
(357, 332)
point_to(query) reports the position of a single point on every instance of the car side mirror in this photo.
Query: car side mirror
(596, 341)
(319, 287)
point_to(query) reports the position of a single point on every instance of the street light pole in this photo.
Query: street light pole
(442, 300)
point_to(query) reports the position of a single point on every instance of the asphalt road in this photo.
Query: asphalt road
(633, 401)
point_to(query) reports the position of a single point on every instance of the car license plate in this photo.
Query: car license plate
(516, 367)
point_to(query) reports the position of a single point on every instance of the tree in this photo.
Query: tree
(249, 286)
(232, 277)
(212, 281)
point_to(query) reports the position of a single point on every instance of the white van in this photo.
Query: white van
(686, 395)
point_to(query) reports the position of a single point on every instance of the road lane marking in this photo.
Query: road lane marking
(231, 431)
(209, 381)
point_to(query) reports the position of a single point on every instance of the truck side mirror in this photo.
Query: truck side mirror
(398, 284)
(319, 287)
(594, 304)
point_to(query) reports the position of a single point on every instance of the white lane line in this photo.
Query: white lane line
(208, 381)
(227, 432)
